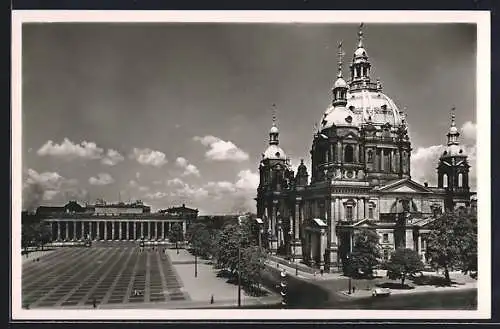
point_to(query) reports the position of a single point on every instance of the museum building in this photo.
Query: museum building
(360, 178)
(114, 222)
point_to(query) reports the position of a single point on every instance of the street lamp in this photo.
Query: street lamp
(195, 263)
(348, 270)
(239, 270)
(260, 223)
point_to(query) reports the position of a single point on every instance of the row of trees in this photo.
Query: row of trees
(451, 244)
(34, 232)
(233, 248)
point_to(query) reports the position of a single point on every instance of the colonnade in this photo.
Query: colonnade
(112, 230)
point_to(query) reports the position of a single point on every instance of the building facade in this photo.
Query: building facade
(360, 178)
(114, 222)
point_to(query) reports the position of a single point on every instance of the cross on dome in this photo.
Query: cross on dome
(360, 35)
(453, 132)
(341, 55)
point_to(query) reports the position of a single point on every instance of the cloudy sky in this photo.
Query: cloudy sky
(172, 113)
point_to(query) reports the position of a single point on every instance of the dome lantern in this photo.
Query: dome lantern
(360, 67)
(273, 151)
(453, 132)
(340, 86)
(274, 131)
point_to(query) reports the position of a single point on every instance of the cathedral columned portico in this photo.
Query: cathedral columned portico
(360, 177)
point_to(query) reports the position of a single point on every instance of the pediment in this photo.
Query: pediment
(404, 186)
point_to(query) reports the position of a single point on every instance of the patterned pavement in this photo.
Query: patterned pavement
(73, 277)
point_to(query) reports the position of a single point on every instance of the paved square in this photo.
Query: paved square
(124, 276)
(110, 275)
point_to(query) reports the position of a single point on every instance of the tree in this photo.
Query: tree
(452, 243)
(252, 265)
(176, 235)
(231, 239)
(366, 253)
(404, 262)
(35, 232)
(201, 240)
(466, 228)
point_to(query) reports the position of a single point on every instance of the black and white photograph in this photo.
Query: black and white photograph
(189, 165)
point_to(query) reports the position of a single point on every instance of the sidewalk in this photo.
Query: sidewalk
(36, 254)
(268, 300)
(207, 283)
(291, 270)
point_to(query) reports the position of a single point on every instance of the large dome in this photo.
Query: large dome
(274, 152)
(374, 107)
(339, 116)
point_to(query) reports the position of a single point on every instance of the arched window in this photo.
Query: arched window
(445, 180)
(370, 156)
(348, 154)
(460, 180)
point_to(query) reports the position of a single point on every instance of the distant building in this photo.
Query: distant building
(110, 222)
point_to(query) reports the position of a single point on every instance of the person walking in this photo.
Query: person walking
(212, 299)
(94, 303)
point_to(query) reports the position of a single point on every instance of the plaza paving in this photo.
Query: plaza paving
(110, 274)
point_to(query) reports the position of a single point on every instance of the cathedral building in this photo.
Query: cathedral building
(359, 178)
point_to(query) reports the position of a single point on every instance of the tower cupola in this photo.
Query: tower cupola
(340, 87)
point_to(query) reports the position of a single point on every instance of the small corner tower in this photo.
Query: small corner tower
(453, 170)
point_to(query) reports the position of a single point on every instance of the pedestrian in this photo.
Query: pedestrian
(212, 299)
(94, 303)
(321, 271)
(353, 289)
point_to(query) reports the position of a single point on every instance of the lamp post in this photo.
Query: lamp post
(348, 270)
(195, 263)
(239, 274)
(260, 224)
(283, 292)
(239, 269)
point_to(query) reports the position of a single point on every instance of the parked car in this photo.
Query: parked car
(381, 292)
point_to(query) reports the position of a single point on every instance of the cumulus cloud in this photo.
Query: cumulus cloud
(469, 130)
(220, 150)
(112, 158)
(101, 179)
(225, 196)
(149, 157)
(424, 162)
(238, 196)
(46, 186)
(175, 182)
(156, 195)
(69, 150)
(181, 162)
(189, 169)
(247, 180)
